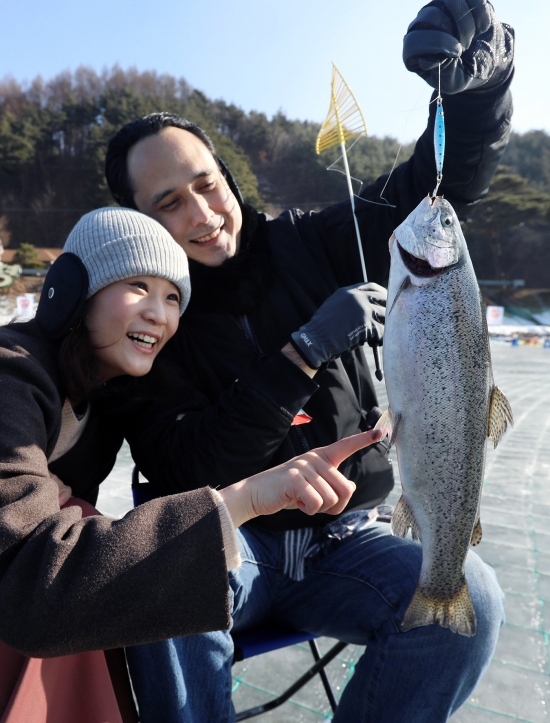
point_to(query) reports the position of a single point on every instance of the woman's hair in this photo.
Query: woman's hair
(116, 160)
(77, 364)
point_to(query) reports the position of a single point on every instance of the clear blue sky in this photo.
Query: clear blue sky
(265, 55)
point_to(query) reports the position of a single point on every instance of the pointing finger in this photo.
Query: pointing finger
(339, 451)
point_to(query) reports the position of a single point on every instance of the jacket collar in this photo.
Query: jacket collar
(238, 285)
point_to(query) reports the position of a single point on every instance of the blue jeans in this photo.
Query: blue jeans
(356, 590)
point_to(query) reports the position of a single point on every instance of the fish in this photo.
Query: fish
(443, 405)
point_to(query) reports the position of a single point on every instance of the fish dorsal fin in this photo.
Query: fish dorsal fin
(403, 520)
(477, 534)
(500, 414)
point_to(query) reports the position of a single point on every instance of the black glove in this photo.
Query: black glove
(350, 317)
(473, 47)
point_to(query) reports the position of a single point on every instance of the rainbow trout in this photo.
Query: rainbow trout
(443, 404)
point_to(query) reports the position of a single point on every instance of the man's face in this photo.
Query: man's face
(177, 182)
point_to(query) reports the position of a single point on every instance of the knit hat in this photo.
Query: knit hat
(118, 243)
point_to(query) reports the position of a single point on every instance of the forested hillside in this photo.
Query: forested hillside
(53, 137)
(529, 156)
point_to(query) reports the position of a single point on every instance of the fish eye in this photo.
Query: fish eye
(447, 220)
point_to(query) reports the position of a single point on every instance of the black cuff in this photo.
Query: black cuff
(300, 351)
(284, 383)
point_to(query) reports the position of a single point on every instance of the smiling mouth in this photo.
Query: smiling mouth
(143, 340)
(418, 267)
(208, 237)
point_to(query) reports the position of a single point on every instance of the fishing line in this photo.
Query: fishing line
(470, 10)
(409, 113)
(337, 170)
(331, 167)
(387, 204)
(359, 181)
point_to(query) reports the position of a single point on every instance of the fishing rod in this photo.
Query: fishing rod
(344, 121)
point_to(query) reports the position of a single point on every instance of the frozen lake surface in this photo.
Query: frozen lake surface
(516, 541)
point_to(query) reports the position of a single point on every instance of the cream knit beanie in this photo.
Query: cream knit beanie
(118, 243)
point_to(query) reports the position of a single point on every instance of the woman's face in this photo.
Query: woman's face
(129, 322)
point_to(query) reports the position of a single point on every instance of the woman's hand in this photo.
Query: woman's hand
(310, 483)
(65, 493)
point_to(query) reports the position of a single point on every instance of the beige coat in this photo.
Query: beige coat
(69, 584)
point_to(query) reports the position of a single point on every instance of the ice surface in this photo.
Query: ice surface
(516, 541)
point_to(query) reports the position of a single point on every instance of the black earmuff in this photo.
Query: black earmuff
(63, 296)
(231, 182)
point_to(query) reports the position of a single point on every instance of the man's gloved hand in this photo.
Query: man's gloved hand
(473, 47)
(350, 317)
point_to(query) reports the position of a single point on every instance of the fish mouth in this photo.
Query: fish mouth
(418, 267)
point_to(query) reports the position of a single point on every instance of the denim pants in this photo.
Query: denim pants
(355, 589)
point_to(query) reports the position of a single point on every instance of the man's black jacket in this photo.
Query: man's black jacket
(221, 404)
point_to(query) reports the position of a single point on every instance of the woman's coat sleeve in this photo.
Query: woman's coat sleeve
(69, 584)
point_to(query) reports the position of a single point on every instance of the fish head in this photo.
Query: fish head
(432, 234)
(428, 242)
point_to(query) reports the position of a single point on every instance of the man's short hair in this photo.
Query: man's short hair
(116, 160)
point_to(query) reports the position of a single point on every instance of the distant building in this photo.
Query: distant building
(48, 256)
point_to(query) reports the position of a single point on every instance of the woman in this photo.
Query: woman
(70, 583)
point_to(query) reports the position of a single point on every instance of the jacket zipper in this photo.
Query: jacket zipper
(244, 325)
(302, 437)
(247, 328)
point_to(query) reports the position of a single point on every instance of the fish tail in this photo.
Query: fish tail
(457, 613)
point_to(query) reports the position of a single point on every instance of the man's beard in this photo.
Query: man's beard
(239, 284)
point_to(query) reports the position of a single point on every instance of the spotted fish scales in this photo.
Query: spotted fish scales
(443, 404)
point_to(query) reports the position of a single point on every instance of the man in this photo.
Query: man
(267, 334)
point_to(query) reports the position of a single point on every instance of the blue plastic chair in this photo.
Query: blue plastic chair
(263, 638)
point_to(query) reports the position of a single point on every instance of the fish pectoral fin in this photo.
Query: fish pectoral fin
(457, 613)
(385, 424)
(389, 424)
(403, 520)
(500, 415)
(477, 534)
(404, 285)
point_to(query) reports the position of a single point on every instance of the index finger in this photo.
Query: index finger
(337, 452)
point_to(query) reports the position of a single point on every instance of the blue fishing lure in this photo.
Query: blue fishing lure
(439, 142)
